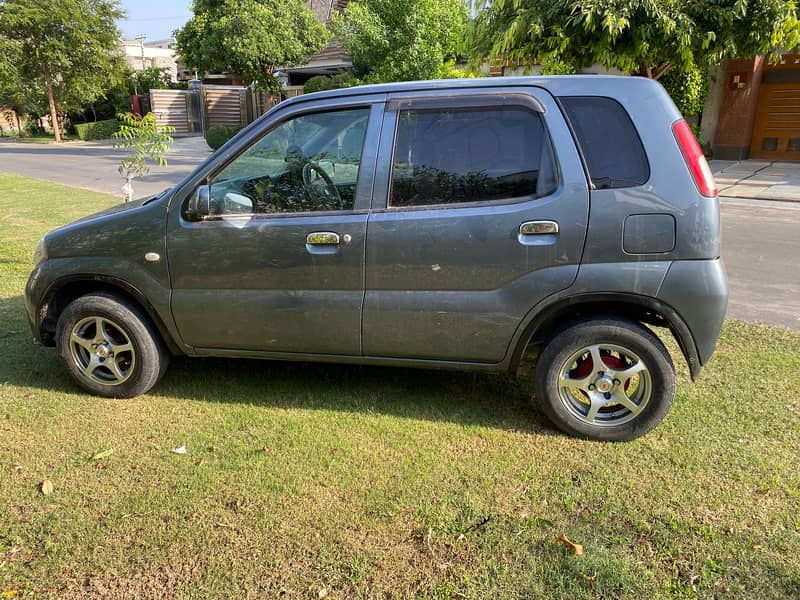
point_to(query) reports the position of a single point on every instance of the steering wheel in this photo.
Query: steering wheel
(329, 192)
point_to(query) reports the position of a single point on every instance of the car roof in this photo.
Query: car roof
(592, 85)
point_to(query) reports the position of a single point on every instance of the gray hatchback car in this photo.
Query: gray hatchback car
(449, 224)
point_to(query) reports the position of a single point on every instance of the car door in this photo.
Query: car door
(479, 212)
(278, 264)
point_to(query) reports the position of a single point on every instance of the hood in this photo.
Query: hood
(117, 208)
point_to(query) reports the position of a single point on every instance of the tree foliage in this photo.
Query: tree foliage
(67, 50)
(401, 40)
(644, 37)
(250, 38)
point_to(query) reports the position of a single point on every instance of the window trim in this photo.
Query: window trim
(368, 105)
(483, 100)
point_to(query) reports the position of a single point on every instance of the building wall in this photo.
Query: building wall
(741, 85)
(140, 57)
(716, 92)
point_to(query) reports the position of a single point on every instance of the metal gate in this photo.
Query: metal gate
(194, 111)
(178, 108)
(234, 106)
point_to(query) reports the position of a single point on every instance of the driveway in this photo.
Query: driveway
(93, 165)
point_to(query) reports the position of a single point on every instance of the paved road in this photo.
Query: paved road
(761, 239)
(761, 249)
(93, 165)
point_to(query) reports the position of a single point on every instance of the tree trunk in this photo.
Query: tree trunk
(53, 114)
(19, 123)
(127, 188)
(652, 72)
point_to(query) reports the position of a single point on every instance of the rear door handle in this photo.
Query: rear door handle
(538, 228)
(322, 238)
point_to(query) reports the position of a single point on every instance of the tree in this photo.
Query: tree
(644, 37)
(148, 141)
(251, 38)
(68, 48)
(401, 40)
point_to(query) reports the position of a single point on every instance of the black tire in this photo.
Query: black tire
(563, 393)
(124, 328)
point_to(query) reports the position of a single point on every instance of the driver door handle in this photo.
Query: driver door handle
(538, 228)
(322, 238)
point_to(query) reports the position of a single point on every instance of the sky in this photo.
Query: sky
(154, 18)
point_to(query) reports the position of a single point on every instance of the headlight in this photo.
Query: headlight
(40, 254)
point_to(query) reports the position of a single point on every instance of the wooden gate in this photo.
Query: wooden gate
(776, 131)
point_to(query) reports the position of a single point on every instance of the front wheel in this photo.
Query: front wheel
(605, 379)
(110, 347)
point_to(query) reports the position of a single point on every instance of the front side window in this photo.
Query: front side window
(449, 156)
(306, 164)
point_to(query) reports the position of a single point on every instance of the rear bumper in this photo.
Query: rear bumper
(698, 291)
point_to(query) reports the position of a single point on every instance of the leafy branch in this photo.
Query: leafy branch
(149, 142)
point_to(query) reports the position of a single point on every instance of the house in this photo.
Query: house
(331, 60)
(141, 55)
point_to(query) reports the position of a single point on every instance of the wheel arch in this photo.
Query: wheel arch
(643, 309)
(63, 291)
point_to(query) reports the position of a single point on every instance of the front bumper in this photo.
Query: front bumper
(33, 300)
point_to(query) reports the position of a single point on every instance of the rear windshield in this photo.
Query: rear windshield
(608, 140)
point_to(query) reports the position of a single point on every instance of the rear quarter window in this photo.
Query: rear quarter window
(608, 140)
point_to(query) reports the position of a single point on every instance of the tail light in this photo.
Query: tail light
(693, 155)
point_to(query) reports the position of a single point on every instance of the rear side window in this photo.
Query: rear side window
(451, 156)
(608, 140)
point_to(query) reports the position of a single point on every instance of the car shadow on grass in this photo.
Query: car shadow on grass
(470, 399)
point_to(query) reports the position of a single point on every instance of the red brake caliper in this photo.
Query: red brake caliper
(585, 366)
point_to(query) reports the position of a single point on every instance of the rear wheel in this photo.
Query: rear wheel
(605, 379)
(110, 347)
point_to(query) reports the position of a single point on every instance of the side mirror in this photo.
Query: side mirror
(198, 208)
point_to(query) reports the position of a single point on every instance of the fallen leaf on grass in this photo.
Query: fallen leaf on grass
(179, 450)
(18, 468)
(103, 454)
(46, 487)
(577, 549)
(10, 593)
(323, 593)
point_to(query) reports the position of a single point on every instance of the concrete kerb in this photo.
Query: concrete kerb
(762, 180)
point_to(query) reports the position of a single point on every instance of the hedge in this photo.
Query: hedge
(99, 130)
(219, 134)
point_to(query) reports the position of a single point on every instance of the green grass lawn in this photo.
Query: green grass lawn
(36, 139)
(371, 482)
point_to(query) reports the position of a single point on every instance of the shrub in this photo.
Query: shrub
(99, 130)
(320, 83)
(688, 87)
(219, 134)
